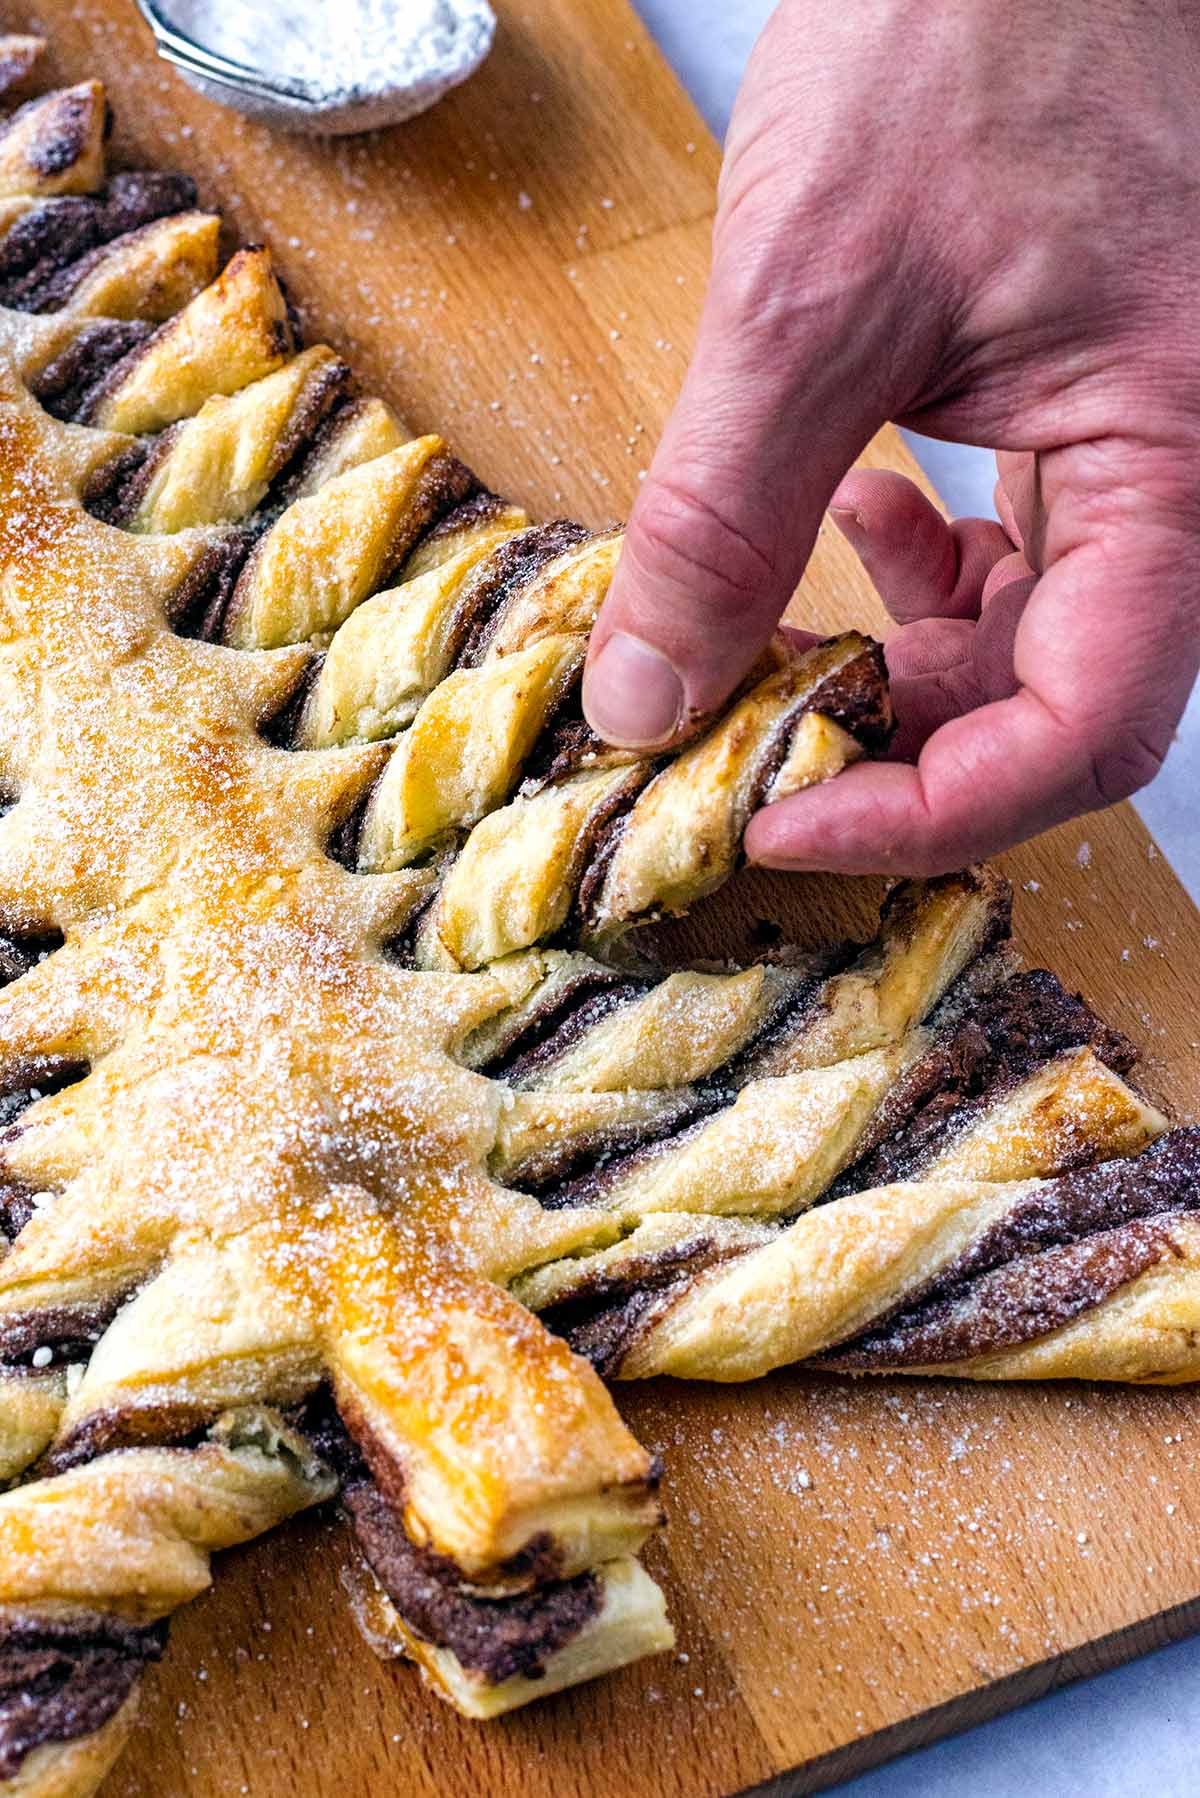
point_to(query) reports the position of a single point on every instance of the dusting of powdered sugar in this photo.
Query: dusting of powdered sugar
(360, 62)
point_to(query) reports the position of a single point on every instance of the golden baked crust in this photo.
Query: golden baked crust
(329, 1053)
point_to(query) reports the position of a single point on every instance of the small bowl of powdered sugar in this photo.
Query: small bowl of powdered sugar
(323, 65)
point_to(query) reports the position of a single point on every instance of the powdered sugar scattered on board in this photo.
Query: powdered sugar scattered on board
(963, 1531)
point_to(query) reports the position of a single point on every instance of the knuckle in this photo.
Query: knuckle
(1122, 481)
(910, 846)
(927, 857)
(1122, 766)
(682, 537)
(791, 261)
(788, 273)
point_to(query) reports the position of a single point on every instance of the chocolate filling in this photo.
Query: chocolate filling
(501, 577)
(42, 241)
(790, 1017)
(69, 1329)
(901, 910)
(1007, 1037)
(199, 604)
(23, 1083)
(581, 1174)
(16, 1207)
(605, 1337)
(39, 257)
(19, 953)
(443, 483)
(342, 1437)
(548, 1035)
(131, 1426)
(305, 472)
(854, 697)
(606, 834)
(401, 948)
(484, 507)
(55, 292)
(604, 1313)
(599, 842)
(494, 1637)
(67, 386)
(584, 1174)
(342, 843)
(1015, 1304)
(1061, 1249)
(566, 744)
(64, 1677)
(119, 488)
(1165, 1178)
(320, 400)
(201, 607)
(857, 698)
(281, 727)
(112, 491)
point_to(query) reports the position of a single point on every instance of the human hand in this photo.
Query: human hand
(983, 221)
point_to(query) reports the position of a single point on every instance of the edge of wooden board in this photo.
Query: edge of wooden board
(983, 1704)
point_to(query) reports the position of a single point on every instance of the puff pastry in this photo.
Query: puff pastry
(348, 1130)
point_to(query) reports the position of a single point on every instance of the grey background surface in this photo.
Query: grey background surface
(1133, 1732)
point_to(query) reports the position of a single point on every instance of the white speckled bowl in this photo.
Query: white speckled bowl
(323, 111)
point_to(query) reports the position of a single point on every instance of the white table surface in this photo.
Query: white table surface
(1133, 1732)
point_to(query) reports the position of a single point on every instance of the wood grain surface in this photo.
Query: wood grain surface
(852, 1568)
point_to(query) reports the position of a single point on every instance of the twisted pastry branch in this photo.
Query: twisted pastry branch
(91, 1562)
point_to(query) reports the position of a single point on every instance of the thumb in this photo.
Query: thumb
(785, 388)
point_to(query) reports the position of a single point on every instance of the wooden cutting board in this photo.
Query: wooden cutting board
(852, 1569)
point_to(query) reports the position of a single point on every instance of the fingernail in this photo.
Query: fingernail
(631, 694)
